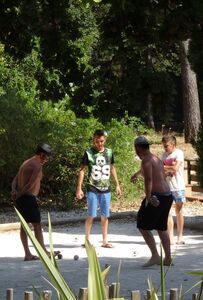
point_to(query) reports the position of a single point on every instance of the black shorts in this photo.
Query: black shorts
(29, 209)
(150, 217)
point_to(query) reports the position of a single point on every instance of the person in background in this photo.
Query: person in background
(173, 160)
(100, 163)
(155, 207)
(25, 188)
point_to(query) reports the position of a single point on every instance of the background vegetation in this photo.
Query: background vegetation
(69, 67)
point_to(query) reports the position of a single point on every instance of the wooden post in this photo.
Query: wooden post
(135, 295)
(28, 295)
(47, 295)
(148, 294)
(189, 171)
(82, 294)
(195, 296)
(173, 294)
(9, 294)
(114, 290)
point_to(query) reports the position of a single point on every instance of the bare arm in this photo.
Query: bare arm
(172, 168)
(135, 176)
(14, 186)
(115, 177)
(147, 173)
(79, 191)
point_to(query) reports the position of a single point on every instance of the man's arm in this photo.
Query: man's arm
(147, 173)
(79, 191)
(14, 186)
(115, 177)
(174, 167)
(135, 176)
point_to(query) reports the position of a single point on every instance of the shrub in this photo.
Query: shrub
(25, 122)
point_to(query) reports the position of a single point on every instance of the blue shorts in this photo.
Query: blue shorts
(98, 199)
(179, 196)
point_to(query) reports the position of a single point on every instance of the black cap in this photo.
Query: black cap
(44, 148)
(141, 140)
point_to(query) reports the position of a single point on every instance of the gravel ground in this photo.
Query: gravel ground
(191, 209)
(129, 248)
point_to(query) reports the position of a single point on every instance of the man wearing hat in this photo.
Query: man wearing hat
(155, 207)
(25, 188)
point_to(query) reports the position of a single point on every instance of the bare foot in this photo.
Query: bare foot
(152, 261)
(168, 262)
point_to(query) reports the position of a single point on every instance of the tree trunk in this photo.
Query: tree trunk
(149, 104)
(191, 107)
(149, 111)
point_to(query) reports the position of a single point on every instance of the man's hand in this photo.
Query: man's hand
(118, 190)
(13, 194)
(79, 194)
(134, 178)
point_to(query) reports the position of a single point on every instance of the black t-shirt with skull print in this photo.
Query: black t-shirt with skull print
(99, 164)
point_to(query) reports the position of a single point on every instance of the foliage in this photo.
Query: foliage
(26, 121)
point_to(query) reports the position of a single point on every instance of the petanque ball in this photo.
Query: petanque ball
(76, 257)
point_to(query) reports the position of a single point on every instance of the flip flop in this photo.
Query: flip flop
(33, 257)
(180, 243)
(107, 245)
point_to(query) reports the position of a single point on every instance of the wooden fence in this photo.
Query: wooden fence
(113, 291)
(193, 191)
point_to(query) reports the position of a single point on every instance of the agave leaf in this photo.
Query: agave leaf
(162, 275)
(105, 273)
(194, 285)
(37, 293)
(96, 287)
(61, 286)
(196, 273)
(118, 272)
(53, 259)
(153, 294)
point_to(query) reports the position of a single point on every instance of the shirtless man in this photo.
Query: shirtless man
(155, 207)
(25, 188)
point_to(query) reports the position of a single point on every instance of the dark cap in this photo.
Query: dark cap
(141, 140)
(44, 148)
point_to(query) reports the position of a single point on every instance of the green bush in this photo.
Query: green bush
(26, 122)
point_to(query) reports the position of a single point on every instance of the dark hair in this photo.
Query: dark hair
(142, 146)
(43, 148)
(169, 139)
(100, 132)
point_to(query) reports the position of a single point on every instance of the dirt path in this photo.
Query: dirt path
(129, 247)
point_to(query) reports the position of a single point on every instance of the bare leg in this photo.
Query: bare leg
(171, 227)
(24, 240)
(180, 221)
(150, 241)
(164, 237)
(39, 235)
(88, 227)
(104, 228)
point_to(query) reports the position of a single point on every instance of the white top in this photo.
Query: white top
(175, 180)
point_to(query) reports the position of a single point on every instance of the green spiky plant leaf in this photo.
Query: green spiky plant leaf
(96, 287)
(96, 278)
(58, 282)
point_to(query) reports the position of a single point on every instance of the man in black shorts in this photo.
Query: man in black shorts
(154, 210)
(25, 188)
